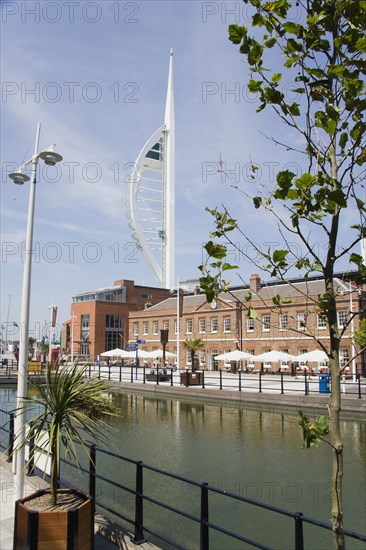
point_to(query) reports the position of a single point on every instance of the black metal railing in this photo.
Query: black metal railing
(141, 524)
(281, 383)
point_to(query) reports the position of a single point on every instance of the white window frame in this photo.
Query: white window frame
(175, 326)
(214, 322)
(227, 324)
(301, 321)
(135, 329)
(266, 328)
(155, 328)
(189, 326)
(343, 356)
(165, 325)
(283, 321)
(342, 313)
(321, 321)
(250, 324)
(145, 328)
(201, 326)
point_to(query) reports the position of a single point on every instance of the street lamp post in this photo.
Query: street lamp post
(50, 158)
(164, 339)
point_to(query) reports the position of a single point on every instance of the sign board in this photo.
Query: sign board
(141, 341)
(133, 347)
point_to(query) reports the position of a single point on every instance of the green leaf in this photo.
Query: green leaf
(236, 33)
(257, 202)
(226, 267)
(293, 28)
(279, 255)
(270, 43)
(215, 250)
(252, 314)
(276, 77)
(293, 109)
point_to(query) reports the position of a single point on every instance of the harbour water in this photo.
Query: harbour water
(252, 451)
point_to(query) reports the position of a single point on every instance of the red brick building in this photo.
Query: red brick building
(225, 325)
(99, 318)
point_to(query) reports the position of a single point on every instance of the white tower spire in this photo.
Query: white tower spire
(168, 259)
(151, 195)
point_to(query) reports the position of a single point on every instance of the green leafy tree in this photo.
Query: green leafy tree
(31, 342)
(360, 335)
(193, 345)
(323, 54)
(67, 408)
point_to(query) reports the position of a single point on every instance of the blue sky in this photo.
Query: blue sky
(95, 75)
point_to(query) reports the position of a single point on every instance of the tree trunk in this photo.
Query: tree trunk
(337, 463)
(334, 416)
(54, 472)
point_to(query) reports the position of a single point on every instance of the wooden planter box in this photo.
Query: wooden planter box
(191, 378)
(71, 529)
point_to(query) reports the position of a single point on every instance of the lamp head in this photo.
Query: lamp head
(19, 178)
(50, 157)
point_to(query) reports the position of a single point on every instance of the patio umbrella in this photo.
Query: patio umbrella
(157, 353)
(315, 356)
(273, 356)
(115, 353)
(236, 355)
(141, 353)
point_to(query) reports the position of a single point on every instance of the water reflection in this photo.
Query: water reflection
(252, 451)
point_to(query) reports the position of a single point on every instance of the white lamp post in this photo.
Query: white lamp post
(50, 158)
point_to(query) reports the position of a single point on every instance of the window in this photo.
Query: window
(266, 320)
(145, 296)
(301, 321)
(202, 357)
(189, 326)
(343, 356)
(145, 326)
(85, 327)
(175, 327)
(114, 330)
(155, 328)
(202, 325)
(227, 324)
(321, 321)
(214, 325)
(165, 325)
(283, 321)
(113, 321)
(342, 318)
(250, 324)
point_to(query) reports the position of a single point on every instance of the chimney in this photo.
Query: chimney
(255, 283)
(147, 305)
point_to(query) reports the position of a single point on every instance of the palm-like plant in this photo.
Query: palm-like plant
(193, 344)
(72, 406)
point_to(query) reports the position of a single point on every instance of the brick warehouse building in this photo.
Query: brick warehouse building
(225, 326)
(99, 318)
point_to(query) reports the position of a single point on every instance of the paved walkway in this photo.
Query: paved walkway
(113, 538)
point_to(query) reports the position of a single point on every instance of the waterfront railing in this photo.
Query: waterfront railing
(261, 382)
(140, 493)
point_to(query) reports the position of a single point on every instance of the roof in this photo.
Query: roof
(266, 293)
(286, 290)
